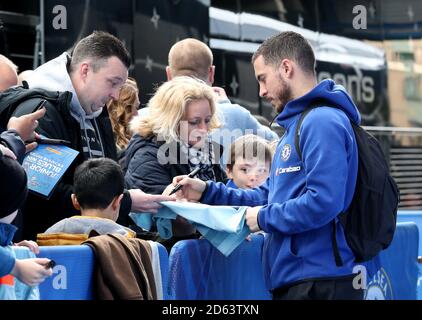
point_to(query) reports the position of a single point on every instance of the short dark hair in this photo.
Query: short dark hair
(290, 45)
(97, 182)
(100, 46)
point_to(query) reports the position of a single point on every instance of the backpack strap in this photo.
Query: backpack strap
(336, 251)
(299, 124)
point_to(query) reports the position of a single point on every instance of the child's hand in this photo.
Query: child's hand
(32, 245)
(32, 271)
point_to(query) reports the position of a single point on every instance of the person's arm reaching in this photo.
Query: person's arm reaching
(217, 193)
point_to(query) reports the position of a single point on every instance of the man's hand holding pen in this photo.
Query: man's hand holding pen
(191, 189)
(190, 175)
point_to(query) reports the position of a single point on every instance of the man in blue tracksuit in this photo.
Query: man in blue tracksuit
(300, 199)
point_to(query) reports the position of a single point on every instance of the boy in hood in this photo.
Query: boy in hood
(92, 75)
(30, 271)
(300, 199)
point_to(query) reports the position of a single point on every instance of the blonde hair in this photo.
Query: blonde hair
(190, 57)
(168, 108)
(249, 146)
(120, 112)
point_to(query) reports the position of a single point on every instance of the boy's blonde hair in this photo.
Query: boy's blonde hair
(168, 108)
(247, 147)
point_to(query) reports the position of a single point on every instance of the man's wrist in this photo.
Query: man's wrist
(257, 219)
(204, 192)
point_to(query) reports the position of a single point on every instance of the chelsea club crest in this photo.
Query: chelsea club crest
(285, 153)
(379, 288)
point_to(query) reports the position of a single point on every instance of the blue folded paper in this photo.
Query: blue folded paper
(223, 226)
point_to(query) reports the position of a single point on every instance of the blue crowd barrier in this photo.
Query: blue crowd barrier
(414, 216)
(164, 268)
(72, 275)
(195, 270)
(198, 271)
(393, 275)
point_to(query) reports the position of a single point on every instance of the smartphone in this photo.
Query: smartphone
(52, 141)
(50, 264)
(40, 105)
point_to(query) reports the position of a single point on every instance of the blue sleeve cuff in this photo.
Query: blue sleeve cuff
(203, 196)
(7, 262)
(260, 220)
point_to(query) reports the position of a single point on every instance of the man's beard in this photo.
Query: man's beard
(284, 95)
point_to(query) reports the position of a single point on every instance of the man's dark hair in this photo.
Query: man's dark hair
(99, 46)
(97, 182)
(287, 45)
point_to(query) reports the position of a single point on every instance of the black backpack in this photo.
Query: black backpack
(370, 221)
(27, 100)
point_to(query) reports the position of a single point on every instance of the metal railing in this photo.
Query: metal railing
(403, 149)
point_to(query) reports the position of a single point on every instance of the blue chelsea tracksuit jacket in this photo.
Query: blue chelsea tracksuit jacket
(301, 198)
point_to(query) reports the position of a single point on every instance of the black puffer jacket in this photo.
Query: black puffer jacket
(39, 213)
(144, 171)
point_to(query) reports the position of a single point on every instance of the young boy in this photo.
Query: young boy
(29, 270)
(249, 163)
(98, 191)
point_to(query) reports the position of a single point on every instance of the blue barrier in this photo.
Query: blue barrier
(415, 216)
(72, 275)
(164, 268)
(412, 216)
(198, 271)
(393, 274)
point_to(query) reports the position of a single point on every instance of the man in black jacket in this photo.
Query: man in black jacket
(91, 77)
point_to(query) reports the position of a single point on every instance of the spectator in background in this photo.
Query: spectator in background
(191, 57)
(173, 140)
(98, 192)
(250, 162)
(121, 111)
(8, 73)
